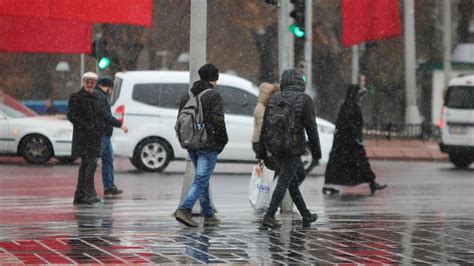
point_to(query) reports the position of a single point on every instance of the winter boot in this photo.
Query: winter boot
(270, 221)
(185, 217)
(308, 220)
(211, 221)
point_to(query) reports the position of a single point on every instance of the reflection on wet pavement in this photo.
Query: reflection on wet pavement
(111, 233)
(394, 227)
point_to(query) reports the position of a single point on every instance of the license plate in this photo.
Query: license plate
(458, 130)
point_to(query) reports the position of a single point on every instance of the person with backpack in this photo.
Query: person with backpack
(201, 130)
(288, 115)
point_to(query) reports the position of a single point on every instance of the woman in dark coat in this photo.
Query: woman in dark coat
(348, 163)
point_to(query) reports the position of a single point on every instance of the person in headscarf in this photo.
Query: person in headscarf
(348, 164)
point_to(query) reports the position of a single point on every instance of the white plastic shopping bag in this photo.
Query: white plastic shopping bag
(260, 192)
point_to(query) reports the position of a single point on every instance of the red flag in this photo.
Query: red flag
(22, 34)
(369, 20)
(136, 12)
(25, 8)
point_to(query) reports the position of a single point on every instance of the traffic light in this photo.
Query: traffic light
(99, 52)
(298, 14)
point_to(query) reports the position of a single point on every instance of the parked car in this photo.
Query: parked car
(457, 121)
(36, 138)
(148, 102)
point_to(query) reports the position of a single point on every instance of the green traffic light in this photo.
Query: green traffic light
(297, 31)
(103, 63)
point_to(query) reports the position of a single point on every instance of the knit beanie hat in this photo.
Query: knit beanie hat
(105, 81)
(209, 72)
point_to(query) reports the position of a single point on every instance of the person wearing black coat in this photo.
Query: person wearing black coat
(104, 88)
(85, 113)
(348, 164)
(205, 159)
(292, 172)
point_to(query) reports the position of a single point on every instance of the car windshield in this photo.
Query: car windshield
(14, 109)
(460, 97)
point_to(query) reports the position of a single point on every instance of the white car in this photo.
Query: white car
(36, 138)
(457, 122)
(148, 102)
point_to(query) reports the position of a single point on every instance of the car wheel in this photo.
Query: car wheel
(66, 159)
(36, 149)
(307, 159)
(152, 155)
(461, 161)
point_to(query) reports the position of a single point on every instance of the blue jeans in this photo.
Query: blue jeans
(107, 156)
(204, 162)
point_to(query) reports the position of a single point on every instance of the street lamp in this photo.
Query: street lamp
(62, 68)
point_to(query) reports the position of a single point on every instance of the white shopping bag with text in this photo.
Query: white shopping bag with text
(260, 192)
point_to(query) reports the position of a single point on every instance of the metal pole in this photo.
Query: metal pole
(197, 58)
(447, 41)
(412, 115)
(286, 60)
(308, 46)
(355, 64)
(283, 36)
(83, 61)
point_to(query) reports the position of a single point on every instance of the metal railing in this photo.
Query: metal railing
(424, 131)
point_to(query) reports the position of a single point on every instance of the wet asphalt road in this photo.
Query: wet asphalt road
(425, 215)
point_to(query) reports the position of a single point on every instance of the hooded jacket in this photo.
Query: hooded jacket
(213, 111)
(265, 91)
(292, 87)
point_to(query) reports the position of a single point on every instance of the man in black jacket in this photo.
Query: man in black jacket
(291, 166)
(104, 88)
(85, 113)
(205, 159)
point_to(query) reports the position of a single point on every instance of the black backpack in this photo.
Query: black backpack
(190, 128)
(279, 135)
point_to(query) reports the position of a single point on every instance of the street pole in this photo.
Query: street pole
(308, 46)
(285, 42)
(83, 62)
(197, 58)
(447, 41)
(412, 114)
(355, 64)
(286, 60)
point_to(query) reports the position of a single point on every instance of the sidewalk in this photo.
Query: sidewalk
(404, 149)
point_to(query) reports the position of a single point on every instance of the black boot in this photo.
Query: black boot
(375, 186)
(308, 220)
(270, 221)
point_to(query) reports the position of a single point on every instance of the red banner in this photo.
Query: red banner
(136, 12)
(22, 34)
(369, 20)
(25, 8)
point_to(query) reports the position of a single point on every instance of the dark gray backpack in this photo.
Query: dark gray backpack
(279, 137)
(190, 128)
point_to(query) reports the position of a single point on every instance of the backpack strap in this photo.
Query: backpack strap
(200, 114)
(199, 95)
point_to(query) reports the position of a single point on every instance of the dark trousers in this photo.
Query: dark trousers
(85, 189)
(292, 175)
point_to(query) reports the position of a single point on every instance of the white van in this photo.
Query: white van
(457, 121)
(148, 102)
